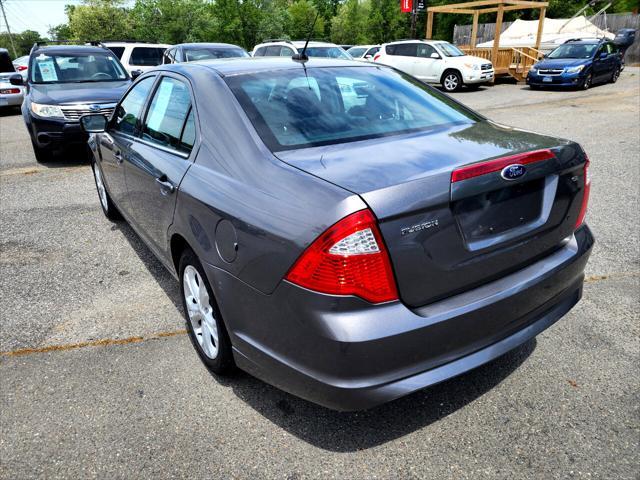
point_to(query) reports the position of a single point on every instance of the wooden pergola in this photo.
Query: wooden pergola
(478, 7)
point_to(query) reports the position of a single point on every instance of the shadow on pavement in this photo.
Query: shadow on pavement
(161, 275)
(353, 431)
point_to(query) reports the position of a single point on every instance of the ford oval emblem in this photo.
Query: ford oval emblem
(512, 172)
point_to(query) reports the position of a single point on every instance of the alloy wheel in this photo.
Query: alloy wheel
(451, 82)
(201, 315)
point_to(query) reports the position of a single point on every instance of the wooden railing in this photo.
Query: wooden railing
(511, 61)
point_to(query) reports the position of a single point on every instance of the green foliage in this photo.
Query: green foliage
(386, 22)
(22, 41)
(100, 20)
(350, 24)
(301, 16)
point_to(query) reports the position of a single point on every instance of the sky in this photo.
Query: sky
(38, 15)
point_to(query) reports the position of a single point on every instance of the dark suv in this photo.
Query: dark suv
(191, 52)
(64, 83)
(577, 63)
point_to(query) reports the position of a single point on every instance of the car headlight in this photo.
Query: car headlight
(577, 69)
(533, 68)
(51, 111)
(472, 66)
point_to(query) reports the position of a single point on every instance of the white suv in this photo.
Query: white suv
(286, 48)
(138, 56)
(436, 62)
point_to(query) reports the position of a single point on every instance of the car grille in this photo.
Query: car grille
(485, 66)
(550, 71)
(74, 112)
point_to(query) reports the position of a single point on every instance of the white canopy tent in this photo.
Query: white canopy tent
(522, 33)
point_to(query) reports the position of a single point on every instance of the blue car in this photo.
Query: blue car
(578, 64)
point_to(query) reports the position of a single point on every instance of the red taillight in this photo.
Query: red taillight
(9, 91)
(376, 57)
(585, 195)
(350, 258)
(20, 68)
(482, 168)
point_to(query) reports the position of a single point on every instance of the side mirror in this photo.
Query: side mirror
(603, 55)
(367, 57)
(135, 74)
(435, 55)
(93, 123)
(16, 80)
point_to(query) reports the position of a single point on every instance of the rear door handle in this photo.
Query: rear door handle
(118, 156)
(167, 187)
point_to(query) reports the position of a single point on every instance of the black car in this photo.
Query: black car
(191, 52)
(64, 83)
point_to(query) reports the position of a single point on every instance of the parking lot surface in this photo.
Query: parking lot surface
(98, 379)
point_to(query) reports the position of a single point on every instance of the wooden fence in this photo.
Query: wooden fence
(613, 22)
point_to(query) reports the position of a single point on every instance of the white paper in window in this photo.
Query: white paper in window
(160, 105)
(47, 71)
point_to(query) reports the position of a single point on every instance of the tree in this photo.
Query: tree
(274, 21)
(61, 32)
(349, 26)
(173, 21)
(301, 16)
(100, 20)
(386, 22)
(23, 41)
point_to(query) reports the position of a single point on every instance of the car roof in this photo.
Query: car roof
(69, 49)
(135, 44)
(203, 44)
(243, 65)
(586, 41)
(298, 43)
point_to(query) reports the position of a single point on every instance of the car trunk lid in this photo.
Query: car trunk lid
(451, 223)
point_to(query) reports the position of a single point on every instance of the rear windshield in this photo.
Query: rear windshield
(357, 51)
(327, 52)
(92, 67)
(205, 53)
(574, 51)
(300, 108)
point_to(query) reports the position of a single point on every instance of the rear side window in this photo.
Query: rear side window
(260, 52)
(130, 109)
(403, 49)
(146, 56)
(117, 51)
(168, 114)
(373, 51)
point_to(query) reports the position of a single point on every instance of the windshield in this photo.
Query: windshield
(574, 51)
(321, 106)
(450, 50)
(90, 67)
(327, 52)
(357, 51)
(208, 53)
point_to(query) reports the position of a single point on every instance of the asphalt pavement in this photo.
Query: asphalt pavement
(98, 379)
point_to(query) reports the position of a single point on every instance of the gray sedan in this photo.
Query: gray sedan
(340, 229)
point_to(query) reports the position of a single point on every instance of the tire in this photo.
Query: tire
(202, 314)
(587, 82)
(615, 75)
(451, 81)
(108, 208)
(42, 154)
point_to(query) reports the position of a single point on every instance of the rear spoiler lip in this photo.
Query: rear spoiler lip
(497, 164)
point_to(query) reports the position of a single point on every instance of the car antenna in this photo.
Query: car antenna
(302, 56)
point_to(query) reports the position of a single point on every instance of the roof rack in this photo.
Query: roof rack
(274, 40)
(43, 43)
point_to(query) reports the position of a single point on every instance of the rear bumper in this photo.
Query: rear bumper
(11, 100)
(346, 354)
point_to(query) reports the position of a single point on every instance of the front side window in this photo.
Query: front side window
(426, 51)
(450, 50)
(75, 68)
(146, 56)
(129, 111)
(321, 106)
(167, 116)
(206, 53)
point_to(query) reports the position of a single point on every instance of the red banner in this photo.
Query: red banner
(406, 5)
